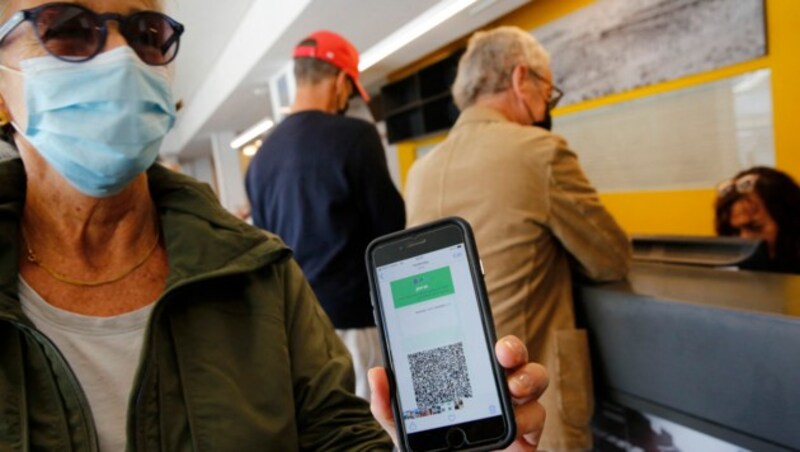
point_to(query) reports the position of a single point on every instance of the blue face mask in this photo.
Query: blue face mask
(99, 123)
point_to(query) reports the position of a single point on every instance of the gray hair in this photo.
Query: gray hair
(313, 70)
(309, 70)
(491, 56)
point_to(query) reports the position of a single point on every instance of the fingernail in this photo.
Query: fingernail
(514, 346)
(510, 344)
(524, 380)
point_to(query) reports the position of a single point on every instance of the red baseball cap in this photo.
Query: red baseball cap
(337, 51)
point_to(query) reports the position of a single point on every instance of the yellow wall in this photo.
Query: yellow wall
(684, 211)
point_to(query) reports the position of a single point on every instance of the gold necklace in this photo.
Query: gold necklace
(34, 259)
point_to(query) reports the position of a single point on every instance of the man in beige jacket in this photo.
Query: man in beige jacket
(534, 213)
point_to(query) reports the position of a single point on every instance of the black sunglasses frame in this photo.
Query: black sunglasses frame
(555, 96)
(31, 15)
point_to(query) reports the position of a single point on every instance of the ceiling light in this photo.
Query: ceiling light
(481, 7)
(412, 30)
(251, 133)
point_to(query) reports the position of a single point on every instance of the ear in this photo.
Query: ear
(519, 78)
(342, 80)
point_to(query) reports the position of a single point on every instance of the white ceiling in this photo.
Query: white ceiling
(232, 48)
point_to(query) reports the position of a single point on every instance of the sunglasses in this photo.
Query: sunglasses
(72, 32)
(743, 185)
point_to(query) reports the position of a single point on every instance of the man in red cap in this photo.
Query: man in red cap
(320, 181)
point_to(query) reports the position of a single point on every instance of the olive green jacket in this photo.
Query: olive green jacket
(237, 355)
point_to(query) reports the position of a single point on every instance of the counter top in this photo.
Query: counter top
(757, 292)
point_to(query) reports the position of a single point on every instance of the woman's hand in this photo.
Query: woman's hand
(526, 383)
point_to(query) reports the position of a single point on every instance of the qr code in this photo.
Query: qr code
(440, 379)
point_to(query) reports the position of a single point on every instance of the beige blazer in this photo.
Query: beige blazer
(535, 217)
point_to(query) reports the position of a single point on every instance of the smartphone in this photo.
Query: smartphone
(430, 305)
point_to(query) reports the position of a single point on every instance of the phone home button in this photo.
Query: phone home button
(456, 438)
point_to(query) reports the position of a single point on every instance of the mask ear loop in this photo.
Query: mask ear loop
(11, 70)
(3, 67)
(6, 121)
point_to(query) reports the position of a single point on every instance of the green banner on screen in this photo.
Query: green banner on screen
(422, 287)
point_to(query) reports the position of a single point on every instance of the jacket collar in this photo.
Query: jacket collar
(12, 196)
(202, 239)
(476, 114)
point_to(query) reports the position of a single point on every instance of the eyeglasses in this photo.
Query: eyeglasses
(72, 32)
(555, 92)
(745, 184)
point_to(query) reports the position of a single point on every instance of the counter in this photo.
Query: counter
(715, 350)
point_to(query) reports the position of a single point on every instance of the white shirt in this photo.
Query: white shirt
(102, 351)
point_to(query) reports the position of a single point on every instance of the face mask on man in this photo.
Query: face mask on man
(343, 110)
(99, 123)
(546, 122)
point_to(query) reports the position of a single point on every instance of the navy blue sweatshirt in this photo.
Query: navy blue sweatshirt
(321, 183)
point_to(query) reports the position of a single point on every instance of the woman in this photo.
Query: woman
(763, 203)
(133, 309)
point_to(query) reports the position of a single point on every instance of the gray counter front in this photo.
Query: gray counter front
(716, 350)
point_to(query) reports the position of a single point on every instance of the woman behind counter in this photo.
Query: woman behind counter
(133, 309)
(763, 203)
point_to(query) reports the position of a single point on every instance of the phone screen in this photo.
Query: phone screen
(438, 347)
